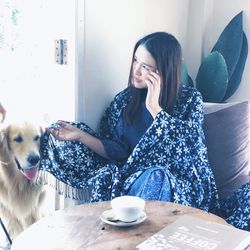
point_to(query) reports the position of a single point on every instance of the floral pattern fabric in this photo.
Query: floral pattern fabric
(173, 143)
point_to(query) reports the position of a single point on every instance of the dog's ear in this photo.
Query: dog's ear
(4, 139)
(42, 131)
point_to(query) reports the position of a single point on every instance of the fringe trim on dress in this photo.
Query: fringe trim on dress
(62, 188)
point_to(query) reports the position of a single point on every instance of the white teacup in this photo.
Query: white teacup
(127, 208)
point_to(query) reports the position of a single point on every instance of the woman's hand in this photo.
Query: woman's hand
(154, 89)
(65, 132)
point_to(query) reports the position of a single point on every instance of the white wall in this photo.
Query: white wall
(199, 12)
(111, 29)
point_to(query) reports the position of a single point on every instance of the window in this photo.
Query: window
(32, 85)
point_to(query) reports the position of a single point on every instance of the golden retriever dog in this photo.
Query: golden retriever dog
(21, 195)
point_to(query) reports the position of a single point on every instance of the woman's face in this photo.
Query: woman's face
(143, 64)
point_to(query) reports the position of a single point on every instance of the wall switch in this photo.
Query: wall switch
(61, 51)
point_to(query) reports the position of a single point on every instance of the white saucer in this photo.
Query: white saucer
(109, 214)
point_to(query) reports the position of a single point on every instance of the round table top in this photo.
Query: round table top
(80, 227)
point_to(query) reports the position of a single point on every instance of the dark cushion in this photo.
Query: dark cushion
(226, 128)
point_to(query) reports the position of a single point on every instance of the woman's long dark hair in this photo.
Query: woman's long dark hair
(166, 51)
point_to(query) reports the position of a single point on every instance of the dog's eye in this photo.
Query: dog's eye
(36, 138)
(18, 139)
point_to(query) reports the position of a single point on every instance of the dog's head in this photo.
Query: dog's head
(22, 143)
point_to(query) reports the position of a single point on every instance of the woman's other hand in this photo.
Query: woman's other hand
(154, 89)
(64, 132)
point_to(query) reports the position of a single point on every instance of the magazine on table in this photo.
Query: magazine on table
(190, 232)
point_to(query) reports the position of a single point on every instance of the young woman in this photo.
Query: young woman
(151, 141)
(152, 129)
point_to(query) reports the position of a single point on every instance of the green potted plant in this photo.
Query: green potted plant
(220, 72)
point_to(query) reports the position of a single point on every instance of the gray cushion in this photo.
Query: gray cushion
(226, 128)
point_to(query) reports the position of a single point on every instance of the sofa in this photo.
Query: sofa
(226, 128)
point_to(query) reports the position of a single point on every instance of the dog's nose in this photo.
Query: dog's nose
(33, 159)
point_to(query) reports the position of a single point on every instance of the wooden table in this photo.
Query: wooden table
(80, 227)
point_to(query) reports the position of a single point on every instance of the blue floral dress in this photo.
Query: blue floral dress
(172, 148)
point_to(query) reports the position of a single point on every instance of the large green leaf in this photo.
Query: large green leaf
(190, 81)
(184, 74)
(229, 43)
(185, 77)
(212, 78)
(235, 79)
